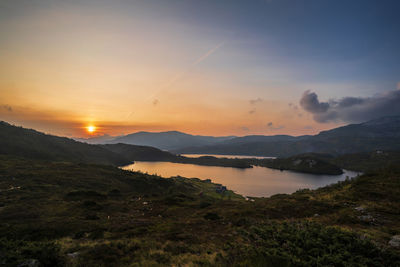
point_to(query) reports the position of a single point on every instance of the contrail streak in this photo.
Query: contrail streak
(206, 55)
(183, 73)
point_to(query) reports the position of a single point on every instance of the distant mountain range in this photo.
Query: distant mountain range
(383, 134)
(170, 140)
(380, 134)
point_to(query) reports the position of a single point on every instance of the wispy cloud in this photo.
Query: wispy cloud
(270, 126)
(255, 101)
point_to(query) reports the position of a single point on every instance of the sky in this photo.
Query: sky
(220, 67)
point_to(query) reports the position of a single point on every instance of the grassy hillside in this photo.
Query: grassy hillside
(92, 215)
(368, 161)
(18, 141)
(307, 163)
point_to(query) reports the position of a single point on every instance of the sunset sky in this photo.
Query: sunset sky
(202, 67)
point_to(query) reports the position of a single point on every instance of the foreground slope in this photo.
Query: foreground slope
(90, 215)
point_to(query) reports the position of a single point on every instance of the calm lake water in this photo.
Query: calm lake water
(256, 181)
(226, 156)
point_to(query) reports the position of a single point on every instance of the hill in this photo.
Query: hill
(167, 140)
(143, 153)
(307, 163)
(368, 161)
(381, 134)
(28, 143)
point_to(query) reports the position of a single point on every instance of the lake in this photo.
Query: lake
(226, 156)
(255, 182)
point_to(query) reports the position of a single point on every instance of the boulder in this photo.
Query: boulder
(395, 241)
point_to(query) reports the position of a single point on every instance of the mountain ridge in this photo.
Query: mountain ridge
(379, 134)
(168, 140)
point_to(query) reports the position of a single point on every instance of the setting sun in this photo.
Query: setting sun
(91, 129)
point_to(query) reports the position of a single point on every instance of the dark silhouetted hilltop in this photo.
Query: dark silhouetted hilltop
(28, 143)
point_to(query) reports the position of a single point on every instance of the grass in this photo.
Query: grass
(93, 215)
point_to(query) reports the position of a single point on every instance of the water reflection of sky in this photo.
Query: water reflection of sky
(256, 181)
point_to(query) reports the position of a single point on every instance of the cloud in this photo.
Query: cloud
(271, 126)
(398, 86)
(352, 109)
(6, 108)
(252, 111)
(244, 128)
(309, 101)
(255, 101)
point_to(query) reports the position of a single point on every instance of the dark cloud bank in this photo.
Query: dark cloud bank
(352, 109)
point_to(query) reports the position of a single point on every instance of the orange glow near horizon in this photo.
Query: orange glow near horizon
(91, 129)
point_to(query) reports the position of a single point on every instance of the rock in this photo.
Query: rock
(360, 209)
(366, 218)
(395, 241)
(73, 255)
(30, 263)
